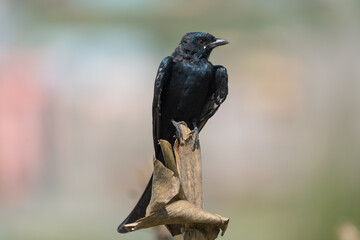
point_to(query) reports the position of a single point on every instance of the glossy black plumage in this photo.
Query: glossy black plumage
(187, 88)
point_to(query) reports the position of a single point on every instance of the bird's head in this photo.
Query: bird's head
(198, 45)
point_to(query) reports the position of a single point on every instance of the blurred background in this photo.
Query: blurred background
(281, 158)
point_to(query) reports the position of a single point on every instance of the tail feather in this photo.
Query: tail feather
(140, 208)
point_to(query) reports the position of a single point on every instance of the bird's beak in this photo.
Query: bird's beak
(217, 42)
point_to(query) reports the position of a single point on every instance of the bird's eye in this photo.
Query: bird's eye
(201, 42)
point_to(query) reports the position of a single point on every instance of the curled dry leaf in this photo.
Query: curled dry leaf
(165, 187)
(179, 212)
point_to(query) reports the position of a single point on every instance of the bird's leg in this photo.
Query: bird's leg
(178, 132)
(196, 137)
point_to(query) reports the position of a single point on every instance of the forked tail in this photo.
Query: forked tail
(139, 209)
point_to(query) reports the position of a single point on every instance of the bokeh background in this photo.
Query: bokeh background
(281, 157)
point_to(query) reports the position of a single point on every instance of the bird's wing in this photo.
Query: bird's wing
(162, 76)
(217, 97)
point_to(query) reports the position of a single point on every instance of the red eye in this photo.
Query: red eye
(201, 42)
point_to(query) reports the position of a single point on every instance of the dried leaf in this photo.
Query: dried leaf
(165, 187)
(179, 212)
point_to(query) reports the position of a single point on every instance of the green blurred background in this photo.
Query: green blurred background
(281, 157)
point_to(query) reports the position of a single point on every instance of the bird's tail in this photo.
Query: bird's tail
(140, 208)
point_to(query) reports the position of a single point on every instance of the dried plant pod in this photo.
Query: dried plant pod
(189, 163)
(177, 197)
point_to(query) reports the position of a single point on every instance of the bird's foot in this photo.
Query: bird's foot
(196, 143)
(178, 132)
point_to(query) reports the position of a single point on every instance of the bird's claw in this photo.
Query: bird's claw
(178, 132)
(196, 143)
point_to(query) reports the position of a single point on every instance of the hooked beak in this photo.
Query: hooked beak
(217, 42)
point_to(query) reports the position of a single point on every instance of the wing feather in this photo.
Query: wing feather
(163, 74)
(217, 97)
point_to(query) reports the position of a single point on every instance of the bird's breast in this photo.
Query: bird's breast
(193, 74)
(188, 89)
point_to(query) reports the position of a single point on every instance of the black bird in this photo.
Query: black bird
(187, 88)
